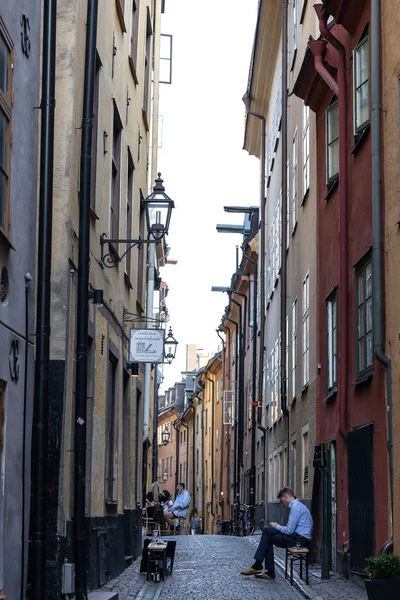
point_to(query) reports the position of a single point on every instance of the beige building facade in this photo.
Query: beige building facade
(121, 179)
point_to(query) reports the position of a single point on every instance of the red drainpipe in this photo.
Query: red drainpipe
(341, 92)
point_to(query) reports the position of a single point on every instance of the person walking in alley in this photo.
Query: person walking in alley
(297, 531)
(180, 506)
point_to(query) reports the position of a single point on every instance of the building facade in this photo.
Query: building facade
(121, 179)
(19, 140)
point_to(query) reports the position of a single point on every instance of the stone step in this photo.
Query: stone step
(103, 595)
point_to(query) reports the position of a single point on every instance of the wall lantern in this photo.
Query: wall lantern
(158, 207)
(165, 477)
(170, 345)
(165, 436)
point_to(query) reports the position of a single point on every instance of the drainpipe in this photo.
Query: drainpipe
(254, 386)
(228, 359)
(377, 243)
(41, 398)
(236, 492)
(80, 533)
(341, 93)
(176, 453)
(212, 443)
(243, 315)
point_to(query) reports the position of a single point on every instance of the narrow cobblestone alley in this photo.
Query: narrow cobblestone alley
(208, 568)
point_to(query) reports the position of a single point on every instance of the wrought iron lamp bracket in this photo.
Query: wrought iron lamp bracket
(109, 259)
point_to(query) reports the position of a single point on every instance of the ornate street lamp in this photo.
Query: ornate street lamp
(170, 345)
(158, 207)
(165, 436)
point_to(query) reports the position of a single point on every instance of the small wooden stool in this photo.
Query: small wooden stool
(181, 524)
(296, 554)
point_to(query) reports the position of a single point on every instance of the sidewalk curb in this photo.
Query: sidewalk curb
(150, 591)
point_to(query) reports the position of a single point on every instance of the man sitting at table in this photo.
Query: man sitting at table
(180, 506)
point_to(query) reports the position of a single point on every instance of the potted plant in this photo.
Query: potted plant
(383, 576)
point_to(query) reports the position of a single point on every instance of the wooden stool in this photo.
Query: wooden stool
(182, 525)
(297, 554)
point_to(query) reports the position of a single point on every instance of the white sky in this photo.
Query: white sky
(202, 161)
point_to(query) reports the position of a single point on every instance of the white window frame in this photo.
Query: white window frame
(306, 330)
(295, 27)
(331, 341)
(332, 144)
(294, 178)
(357, 53)
(294, 346)
(306, 149)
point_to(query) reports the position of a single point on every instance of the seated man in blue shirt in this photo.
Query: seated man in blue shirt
(180, 506)
(298, 530)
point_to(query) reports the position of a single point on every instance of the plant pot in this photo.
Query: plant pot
(378, 589)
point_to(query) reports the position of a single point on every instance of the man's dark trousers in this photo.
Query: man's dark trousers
(272, 537)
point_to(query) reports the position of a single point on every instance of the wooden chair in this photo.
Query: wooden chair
(149, 522)
(297, 555)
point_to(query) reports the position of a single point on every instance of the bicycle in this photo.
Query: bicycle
(247, 520)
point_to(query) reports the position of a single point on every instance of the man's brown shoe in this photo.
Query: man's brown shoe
(250, 571)
(265, 576)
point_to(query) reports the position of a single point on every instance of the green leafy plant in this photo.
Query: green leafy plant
(385, 566)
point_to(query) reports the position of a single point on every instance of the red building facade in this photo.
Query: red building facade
(335, 81)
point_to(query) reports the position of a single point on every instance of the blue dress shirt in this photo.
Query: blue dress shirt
(183, 501)
(300, 521)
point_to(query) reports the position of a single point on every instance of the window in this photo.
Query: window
(332, 142)
(112, 431)
(361, 84)
(304, 459)
(115, 175)
(129, 205)
(287, 357)
(197, 461)
(134, 38)
(141, 253)
(6, 66)
(287, 204)
(294, 180)
(95, 130)
(364, 317)
(170, 465)
(331, 341)
(147, 70)
(294, 466)
(306, 149)
(294, 346)
(306, 330)
(294, 27)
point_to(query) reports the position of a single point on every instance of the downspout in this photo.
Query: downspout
(212, 444)
(194, 458)
(377, 242)
(80, 534)
(203, 508)
(254, 386)
(221, 468)
(242, 354)
(341, 93)
(284, 228)
(235, 489)
(228, 436)
(43, 310)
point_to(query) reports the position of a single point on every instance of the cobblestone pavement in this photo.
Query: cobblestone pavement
(208, 567)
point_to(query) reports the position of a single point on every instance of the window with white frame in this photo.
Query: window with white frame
(295, 26)
(306, 329)
(294, 179)
(306, 149)
(294, 346)
(332, 142)
(365, 355)
(361, 84)
(331, 341)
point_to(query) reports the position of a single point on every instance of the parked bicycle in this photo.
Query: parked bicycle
(247, 524)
